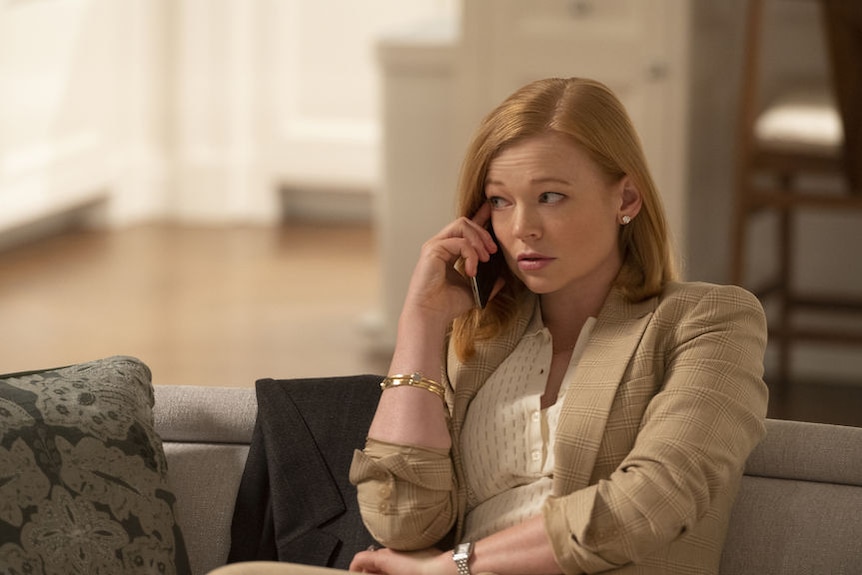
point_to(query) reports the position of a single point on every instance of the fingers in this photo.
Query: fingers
(482, 217)
(363, 562)
(466, 239)
(438, 282)
(459, 254)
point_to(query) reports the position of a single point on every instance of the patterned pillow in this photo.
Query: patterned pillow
(83, 478)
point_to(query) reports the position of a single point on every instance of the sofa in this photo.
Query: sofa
(799, 510)
(94, 456)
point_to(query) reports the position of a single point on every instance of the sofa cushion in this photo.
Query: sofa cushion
(794, 527)
(83, 478)
(798, 506)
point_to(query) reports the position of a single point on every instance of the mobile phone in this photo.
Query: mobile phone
(487, 274)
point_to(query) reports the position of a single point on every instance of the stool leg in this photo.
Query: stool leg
(786, 246)
(842, 21)
(739, 242)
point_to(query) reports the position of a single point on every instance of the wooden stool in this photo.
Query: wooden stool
(799, 134)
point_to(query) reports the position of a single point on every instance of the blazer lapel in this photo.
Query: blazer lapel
(587, 403)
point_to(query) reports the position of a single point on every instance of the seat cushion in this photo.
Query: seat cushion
(804, 120)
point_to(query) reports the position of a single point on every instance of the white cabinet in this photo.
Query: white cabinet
(420, 156)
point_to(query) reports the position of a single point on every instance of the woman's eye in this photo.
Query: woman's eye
(550, 197)
(496, 201)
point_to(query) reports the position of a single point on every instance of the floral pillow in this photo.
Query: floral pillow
(83, 477)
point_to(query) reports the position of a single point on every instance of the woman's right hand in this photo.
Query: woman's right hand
(437, 294)
(437, 289)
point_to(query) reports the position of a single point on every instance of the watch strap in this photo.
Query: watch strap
(461, 555)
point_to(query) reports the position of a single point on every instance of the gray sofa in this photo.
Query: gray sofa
(799, 510)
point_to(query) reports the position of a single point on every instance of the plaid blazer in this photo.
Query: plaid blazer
(666, 404)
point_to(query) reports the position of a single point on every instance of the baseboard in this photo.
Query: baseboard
(327, 205)
(90, 214)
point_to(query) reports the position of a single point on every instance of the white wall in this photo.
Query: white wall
(58, 111)
(197, 110)
(323, 93)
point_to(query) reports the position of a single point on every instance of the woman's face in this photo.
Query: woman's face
(557, 216)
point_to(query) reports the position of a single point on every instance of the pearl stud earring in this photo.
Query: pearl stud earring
(626, 220)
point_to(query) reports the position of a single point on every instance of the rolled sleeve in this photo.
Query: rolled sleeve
(573, 551)
(406, 493)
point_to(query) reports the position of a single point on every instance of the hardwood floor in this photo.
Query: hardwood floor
(217, 307)
(225, 307)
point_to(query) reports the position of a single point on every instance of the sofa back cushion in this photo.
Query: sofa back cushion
(799, 509)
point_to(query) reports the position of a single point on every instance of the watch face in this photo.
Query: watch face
(462, 551)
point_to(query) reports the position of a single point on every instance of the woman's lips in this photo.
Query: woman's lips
(533, 262)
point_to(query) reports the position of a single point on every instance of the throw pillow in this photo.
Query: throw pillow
(83, 477)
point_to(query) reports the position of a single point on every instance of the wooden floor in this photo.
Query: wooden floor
(225, 307)
(200, 306)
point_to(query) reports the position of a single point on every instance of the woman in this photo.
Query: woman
(597, 413)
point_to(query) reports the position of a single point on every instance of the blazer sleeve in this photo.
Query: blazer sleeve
(692, 440)
(406, 494)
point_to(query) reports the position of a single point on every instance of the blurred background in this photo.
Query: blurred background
(237, 189)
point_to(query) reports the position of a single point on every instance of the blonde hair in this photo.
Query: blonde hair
(591, 115)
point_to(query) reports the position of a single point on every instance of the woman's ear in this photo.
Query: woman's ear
(631, 199)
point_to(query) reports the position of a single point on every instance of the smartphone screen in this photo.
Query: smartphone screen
(487, 274)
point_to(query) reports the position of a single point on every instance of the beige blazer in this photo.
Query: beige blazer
(667, 403)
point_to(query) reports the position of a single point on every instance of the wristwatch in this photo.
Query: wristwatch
(461, 556)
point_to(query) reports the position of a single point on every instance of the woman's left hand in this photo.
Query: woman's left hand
(388, 562)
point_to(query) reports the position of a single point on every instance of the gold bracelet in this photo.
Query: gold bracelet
(415, 379)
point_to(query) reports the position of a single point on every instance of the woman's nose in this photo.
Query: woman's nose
(526, 224)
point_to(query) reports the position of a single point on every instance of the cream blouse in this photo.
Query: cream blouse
(507, 439)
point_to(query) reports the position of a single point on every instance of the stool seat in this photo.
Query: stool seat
(804, 120)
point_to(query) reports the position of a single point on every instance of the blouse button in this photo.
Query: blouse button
(536, 416)
(537, 455)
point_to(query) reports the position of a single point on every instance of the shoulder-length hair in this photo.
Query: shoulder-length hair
(593, 117)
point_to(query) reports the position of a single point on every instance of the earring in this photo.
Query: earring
(627, 220)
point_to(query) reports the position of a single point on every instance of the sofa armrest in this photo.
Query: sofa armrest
(205, 414)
